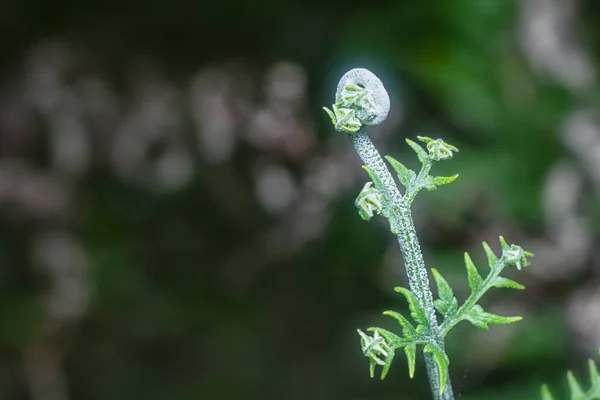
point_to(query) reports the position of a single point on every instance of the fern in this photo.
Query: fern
(362, 100)
(576, 392)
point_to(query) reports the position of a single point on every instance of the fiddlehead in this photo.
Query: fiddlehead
(360, 99)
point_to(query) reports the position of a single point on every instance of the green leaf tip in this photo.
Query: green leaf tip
(574, 387)
(546, 395)
(421, 153)
(443, 180)
(447, 304)
(416, 311)
(411, 357)
(480, 318)
(594, 377)
(331, 115)
(444, 289)
(475, 280)
(491, 257)
(501, 282)
(407, 328)
(405, 175)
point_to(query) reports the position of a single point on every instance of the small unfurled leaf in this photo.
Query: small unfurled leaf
(405, 175)
(421, 153)
(480, 318)
(501, 282)
(491, 257)
(441, 361)
(331, 115)
(416, 311)
(474, 278)
(408, 330)
(443, 180)
(546, 395)
(411, 353)
(447, 303)
(574, 387)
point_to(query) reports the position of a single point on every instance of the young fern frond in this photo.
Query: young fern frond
(362, 100)
(575, 389)
(447, 305)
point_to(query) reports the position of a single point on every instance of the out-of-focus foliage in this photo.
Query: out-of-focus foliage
(575, 389)
(177, 215)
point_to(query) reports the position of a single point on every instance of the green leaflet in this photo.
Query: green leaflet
(475, 280)
(407, 329)
(546, 395)
(331, 115)
(470, 310)
(441, 361)
(480, 318)
(491, 257)
(501, 282)
(574, 387)
(411, 354)
(575, 390)
(440, 180)
(447, 303)
(421, 153)
(405, 175)
(416, 311)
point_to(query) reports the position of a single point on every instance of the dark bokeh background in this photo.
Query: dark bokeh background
(176, 211)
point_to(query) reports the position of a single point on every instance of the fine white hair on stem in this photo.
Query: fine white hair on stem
(379, 100)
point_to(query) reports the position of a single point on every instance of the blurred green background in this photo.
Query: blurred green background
(177, 213)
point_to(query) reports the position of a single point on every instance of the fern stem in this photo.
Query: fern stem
(397, 210)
